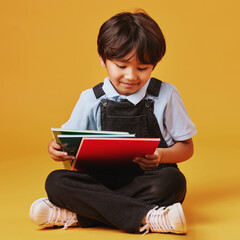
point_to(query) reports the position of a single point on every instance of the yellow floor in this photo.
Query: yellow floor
(212, 206)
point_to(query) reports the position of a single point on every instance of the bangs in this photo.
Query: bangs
(142, 50)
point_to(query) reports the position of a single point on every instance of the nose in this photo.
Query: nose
(131, 74)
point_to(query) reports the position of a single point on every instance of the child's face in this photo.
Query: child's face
(127, 75)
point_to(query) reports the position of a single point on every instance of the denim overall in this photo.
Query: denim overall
(120, 198)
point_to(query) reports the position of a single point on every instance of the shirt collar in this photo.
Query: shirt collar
(134, 98)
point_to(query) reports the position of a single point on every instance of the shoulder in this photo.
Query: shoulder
(166, 93)
(87, 101)
(84, 113)
(167, 89)
(88, 96)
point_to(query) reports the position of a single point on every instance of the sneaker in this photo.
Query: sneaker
(44, 213)
(166, 219)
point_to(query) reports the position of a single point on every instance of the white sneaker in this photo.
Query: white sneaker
(44, 213)
(166, 219)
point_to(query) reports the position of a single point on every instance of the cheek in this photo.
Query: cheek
(146, 76)
(114, 75)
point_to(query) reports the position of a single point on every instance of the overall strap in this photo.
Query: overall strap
(98, 91)
(153, 88)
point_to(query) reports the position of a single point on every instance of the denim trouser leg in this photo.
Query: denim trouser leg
(123, 207)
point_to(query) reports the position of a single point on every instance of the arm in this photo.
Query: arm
(179, 152)
(56, 153)
(79, 119)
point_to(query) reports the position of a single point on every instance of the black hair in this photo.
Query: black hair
(127, 31)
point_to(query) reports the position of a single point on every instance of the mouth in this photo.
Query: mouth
(129, 85)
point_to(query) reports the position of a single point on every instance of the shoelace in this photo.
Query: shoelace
(60, 217)
(157, 221)
(69, 222)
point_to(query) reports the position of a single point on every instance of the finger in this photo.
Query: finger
(56, 153)
(147, 165)
(62, 158)
(56, 146)
(147, 162)
(59, 154)
(153, 156)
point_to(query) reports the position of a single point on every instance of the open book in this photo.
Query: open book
(102, 148)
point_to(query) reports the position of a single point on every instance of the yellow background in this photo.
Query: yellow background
(48, 55)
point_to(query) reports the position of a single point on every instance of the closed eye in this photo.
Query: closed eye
(119, 66)
(142, 69)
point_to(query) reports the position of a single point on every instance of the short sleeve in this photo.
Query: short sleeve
(176, 119)
(82, 116)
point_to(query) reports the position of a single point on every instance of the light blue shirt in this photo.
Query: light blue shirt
(173, 119)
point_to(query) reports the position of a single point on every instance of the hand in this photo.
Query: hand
(56, 152)
(149, 162)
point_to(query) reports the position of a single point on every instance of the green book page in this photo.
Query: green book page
(60, 131)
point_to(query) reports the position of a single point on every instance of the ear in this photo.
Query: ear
(102, 62)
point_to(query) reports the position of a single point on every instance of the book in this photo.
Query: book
(70, 143)
(112, 152)
(61, 131)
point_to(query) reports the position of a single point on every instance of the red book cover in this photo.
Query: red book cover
(112, 152)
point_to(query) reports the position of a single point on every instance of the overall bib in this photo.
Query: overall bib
(125, 116)
(120, 198)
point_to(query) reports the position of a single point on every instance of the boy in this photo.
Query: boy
(147, 196)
